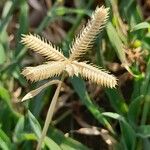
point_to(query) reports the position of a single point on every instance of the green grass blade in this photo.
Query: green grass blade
(23, 21)
(135, 109)
(142, 25)
(65, 143)
(56, 139)
(34, 124)
(117, 101)
(3, 145)
(127, 132)
(51, 144)
(116, 42)
(143, 131)
(5, 142)
(131, 12)
(146, 81)
(19, 129)
(129, 136)
(80, 89)
(2, 54)
(146, 144)
(8, 15)
(118, 47)
(5, 97)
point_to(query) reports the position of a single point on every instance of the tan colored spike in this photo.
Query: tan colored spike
(44, 71)
(42, 47)
(95, 75)
(85, 39)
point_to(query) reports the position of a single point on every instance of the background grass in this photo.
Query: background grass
(114, 118)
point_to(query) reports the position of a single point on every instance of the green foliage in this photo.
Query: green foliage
(127, 118)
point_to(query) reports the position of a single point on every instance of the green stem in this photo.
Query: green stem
(145, 110)
(145, 90)
(77, 22)
(7, 17)
(50, 16)
(50, 114)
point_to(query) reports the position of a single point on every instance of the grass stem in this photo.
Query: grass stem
(145, 110)
(50, 114)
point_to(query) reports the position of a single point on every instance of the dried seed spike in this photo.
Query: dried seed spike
(44, 71)
(87, 36)
(95, 75)
(42, 46)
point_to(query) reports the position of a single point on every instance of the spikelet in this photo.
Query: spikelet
(42, 47)
(44, 71)
(96, 75)
(85, 39)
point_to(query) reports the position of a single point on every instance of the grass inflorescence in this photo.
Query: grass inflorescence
(86, 101)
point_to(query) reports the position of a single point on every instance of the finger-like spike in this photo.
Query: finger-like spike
(96, 75)
(41, 46)
(44, 71)
(86, 37)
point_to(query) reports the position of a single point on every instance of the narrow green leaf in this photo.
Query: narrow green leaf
(29, 137)
(3, 145)
(23, 22)
(80, 88)
(65, 143)
(134, 109)
(145, 42)
(19, 129)
(146, 81)
(118, 47)
(142, 25)
(127, 132)
(143, 131)
(5, 142)
(51, 144)
(34, 124)
(117, 101)
(129, 136)
(47, 19)
(56, 140)
(146, 144)
(2, 54)
(113, 115)
(6, 8)
(4, 137)
(7, 15)
(5, 96)
(131, 11)
(116, 42)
